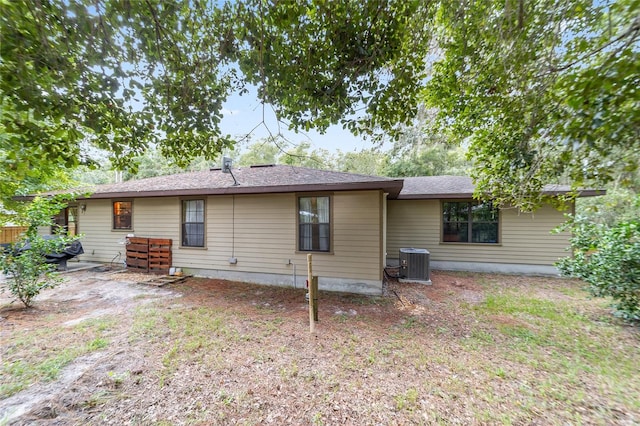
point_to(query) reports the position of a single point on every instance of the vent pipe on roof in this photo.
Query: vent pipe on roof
(226, 168)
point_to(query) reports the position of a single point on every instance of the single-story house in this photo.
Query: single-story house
(258, 224)
(440, 214)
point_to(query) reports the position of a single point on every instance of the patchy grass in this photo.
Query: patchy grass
(37, 355)
(555, 338)
(470, 349)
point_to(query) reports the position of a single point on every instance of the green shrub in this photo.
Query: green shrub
(27, 270)
(607, 257)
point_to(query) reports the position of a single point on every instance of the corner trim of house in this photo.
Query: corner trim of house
(348, 285)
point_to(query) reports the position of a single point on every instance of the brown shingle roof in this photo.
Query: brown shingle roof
(251, 180)
(283, 178)
(433, 187)
(437, 187)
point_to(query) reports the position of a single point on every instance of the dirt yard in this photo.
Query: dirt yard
(104, 348)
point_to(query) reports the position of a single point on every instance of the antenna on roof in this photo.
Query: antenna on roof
(226, 164)
(226, 168)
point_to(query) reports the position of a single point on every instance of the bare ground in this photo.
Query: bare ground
(217, 352)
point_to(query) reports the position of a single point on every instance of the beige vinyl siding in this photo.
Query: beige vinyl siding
(258, 230)
(264, 232)
(357, 236)
(152, 217)
(265, 235)
(157, 218)
(99, 242)
(525, 238)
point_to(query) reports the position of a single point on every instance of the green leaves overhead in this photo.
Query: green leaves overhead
(543, 92)
(116, 75)
(358, 63)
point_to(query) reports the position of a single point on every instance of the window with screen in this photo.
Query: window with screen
(314, 224)
(193, 223)
(469, 222)
(122, 215)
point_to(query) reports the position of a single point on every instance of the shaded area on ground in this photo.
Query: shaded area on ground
(210, 351)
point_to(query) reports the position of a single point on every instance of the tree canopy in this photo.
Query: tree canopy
(542, 91)
(115, 75)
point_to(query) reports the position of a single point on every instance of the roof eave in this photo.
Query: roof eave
(435, 196)
(393, 187)
(464, 195)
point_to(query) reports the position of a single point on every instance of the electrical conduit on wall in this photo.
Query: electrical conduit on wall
(233, 260)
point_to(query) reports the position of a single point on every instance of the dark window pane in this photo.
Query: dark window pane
(193, 234)
(122, 222)
(323, 237)
(484, 213)
(464, 221)
(193, 218)
(484, 233)
(456, 212)
(456, 232)
(306, 240)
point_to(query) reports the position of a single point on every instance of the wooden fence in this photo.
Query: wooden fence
(11, 234)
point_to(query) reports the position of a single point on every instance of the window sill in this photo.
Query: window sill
(192, 248)
(129, 231)
(458, 243)
(314, 252)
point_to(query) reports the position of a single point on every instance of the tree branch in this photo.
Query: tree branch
(634, 28)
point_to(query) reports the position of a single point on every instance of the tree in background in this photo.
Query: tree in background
(264, 151)
(429, 160)
(118, 76)
(150, 164)
(301, 155)
(541, 92)
(423, 150)
(365, 162)
(619, 204)
(424, 161)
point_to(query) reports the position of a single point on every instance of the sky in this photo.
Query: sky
(244, 113)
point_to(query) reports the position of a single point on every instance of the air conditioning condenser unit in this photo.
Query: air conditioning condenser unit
(414, 265)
